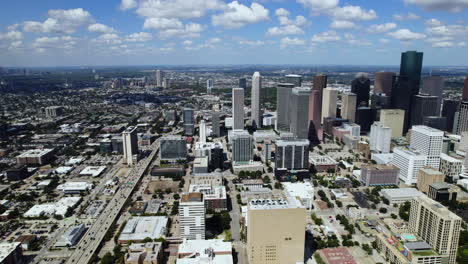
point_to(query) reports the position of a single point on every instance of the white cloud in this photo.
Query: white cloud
(282, 12)
(60, 21)
(319, 5)
(139, 37)
(128, 4)
(359, 42)
(408, 16)
(288, 26)
(343, 24)
(162, 23)
(11, 35)
(100, 28)
(285, 42)
(461, 44)
(178, 8)
(382, 28)
(191, 30)
(443, 44)
(327, 36)
(383, 40)
(251, 42)
(353, 13)
(214, 40)
(237, 15)
(108, 38)
(285, 30)
(433, 22)
(406, 35)
(43, 43)
(446, 5)
(187, 42)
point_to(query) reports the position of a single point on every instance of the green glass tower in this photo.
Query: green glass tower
(411, 66)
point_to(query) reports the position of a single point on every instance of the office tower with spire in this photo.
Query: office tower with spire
(283, 94)
(383, 83)
(256, 114)
(348, 106)
(423, 105)
(434, 86)
(361, 88)
(130, 145)
(238, 108)
(329, 102)
(159, 78)
(299, 112)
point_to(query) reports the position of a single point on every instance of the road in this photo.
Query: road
(94, 236)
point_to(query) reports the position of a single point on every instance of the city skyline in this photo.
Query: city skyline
(331, 32)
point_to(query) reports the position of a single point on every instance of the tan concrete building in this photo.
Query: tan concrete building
(394, 119)
(427, 176)
(276, 231)
(436, 225)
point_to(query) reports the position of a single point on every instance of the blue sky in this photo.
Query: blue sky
(157, 32)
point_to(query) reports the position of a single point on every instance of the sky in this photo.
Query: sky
(174, 32)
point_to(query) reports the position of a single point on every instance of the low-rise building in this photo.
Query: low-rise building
(35, 157)
(144, 253)
(303, 190)
(11, 253)
(214, 251)
(323, 163)
(139, 228)
(26, 241)
(379, 175)
(93, 171)
(75, 187)
(401, 195)
(442, 192)
(427, 176)
(450, 166)
(264, 135)
(200, 165)
(72, 236)
(212, 179)
(59, 208)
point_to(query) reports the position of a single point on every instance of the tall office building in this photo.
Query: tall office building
(401, 99)
(428, 176)
(275, 231)
(189, 122)
(159, 78)
(427, 141)
(292, 154)
(299, 112)
(449, 108)
(243, 83)
(383, 83)
(462, 124)
(465, 90)
(238, 108)
(434, 85)
(320, 83)
(173, 148)
(130, 145)
(209, 86)
(423, 105)
(361, 87)
(283, 94)
(192, 216)
(365, 116)
(202, 132)
(166, 83)
(256, 100)
(380, 137)
(294, 79)
(242, 146)
(437, 122)
(315, 110)
(348, 106)
(215, 124)
(394, 119)
(409, 162)
(436, 225)
(330, 96)
(464, 174)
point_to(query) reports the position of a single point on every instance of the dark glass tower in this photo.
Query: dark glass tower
(411, 67)
(423, 105)
(361, 87)
(401, 99)
(448, 111)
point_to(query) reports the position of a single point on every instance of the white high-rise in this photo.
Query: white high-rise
(209, 86)
(192, 216)
(130, 145)
(159, 78)
(409, 163)
(380, 137)
(238, 108)
(202, 131)
(256, 99)
(427, 141)
(330, 96)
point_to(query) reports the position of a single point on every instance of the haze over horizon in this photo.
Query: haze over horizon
(216, 32)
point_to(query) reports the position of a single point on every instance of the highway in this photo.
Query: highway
(92, 239)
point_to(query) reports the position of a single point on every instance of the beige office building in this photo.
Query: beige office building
(329, 102)
(276, 231)
(434, 223)
(394, 119)
(427, 176)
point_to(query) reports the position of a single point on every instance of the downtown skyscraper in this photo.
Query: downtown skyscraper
(299, 112)
(238, 108)
(256, 115)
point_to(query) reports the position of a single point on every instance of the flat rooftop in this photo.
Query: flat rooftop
(271, 204)
(139, 228)
(35, 153)
(402, 192)
(192, 197)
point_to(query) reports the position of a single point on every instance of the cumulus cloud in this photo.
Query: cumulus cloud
(43, 43)
(128, 4)
(108, 38)
(445, 5)
(343, 24)
(319, 5)
(178, 8)
(191, 30)
(100, 28)
(381, 28)
(406, 35)
(60, 21)
(383, 40)
(238, 15)
(139, 37)
(285, 30)
(187, 42)
(408, 16)
(11, 35)
(327, 36)
(285, 42)
(443, 44)
(162, 23)
(282, 12)
(288, 26)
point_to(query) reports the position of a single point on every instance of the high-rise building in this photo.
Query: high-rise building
(54, 111)
(462, 124)
(361, 87)
(464, 174)
(380, 137)
(283, 94)
(434, 85)
(449, 108)
(243, 83)
(276, 231)
(209, 86)
(427, 141)
(423, 105)
(401, 99)
(428, 176)
(383, 83)
(189, 122)
(365, 116)
(202, 131)
(192, 216)
(436, 225)
(330, 96)
(242, 146)
(379, 174)
(130, 145)
(450, 166)
(437, 122)
(348, 106)
(315, 110)
(411, 67)
(409, 162)
(173, 148)
(465, 90)
(320, 83)
(238, 108)
(299, 112)
(256, 100)
(159, 78)
(166, 83)
(294, 79)
(292, 154)
(215, 124)
(394, 119)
